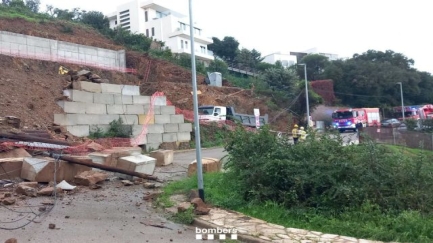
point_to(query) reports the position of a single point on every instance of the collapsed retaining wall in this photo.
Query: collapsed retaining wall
(95, 105)
(26, 46)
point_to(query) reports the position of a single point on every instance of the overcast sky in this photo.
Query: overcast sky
(343, 27)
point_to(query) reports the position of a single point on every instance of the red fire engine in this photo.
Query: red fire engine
(352, 119)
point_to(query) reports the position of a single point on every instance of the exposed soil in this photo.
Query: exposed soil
(29, 89)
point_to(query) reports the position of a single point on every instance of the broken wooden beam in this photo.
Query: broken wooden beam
(88, 162)
(29, 138)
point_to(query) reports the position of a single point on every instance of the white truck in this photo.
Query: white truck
(222, 113)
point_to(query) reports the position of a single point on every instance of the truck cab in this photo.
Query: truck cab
(212, 113)
(348, 119)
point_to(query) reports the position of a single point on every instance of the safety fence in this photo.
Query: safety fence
(400, 136)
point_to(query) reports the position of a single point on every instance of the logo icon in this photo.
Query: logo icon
(218, 233)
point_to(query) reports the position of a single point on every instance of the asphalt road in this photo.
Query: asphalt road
(113, 213)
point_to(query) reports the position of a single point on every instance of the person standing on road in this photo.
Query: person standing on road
(302, 134)
(295, 134)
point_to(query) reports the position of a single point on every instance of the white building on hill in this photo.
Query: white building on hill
(162, 24)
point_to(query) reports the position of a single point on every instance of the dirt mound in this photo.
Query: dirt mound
(29, 89)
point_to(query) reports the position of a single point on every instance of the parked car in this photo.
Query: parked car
(391, 123)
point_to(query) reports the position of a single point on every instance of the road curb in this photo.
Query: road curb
(241, 237)
(189, 150)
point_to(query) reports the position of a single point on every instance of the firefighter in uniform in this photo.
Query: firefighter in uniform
(295, 134)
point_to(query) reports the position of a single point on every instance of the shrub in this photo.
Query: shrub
(323, 174)
(116, 130)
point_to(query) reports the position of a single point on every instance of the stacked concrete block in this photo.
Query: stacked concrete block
(93, 106)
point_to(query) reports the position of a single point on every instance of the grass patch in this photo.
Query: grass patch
(413, 152)
(369, 222)
(186, 217)
(22, 13)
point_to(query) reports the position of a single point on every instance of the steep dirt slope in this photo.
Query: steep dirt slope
(29, 88)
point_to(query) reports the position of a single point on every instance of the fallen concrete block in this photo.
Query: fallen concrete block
(9, 201)
(11, 163)
(42, 170)
(208, 165)
(91, 177)
(163, 157)
(32, 184)
(103, 158)
(138, 163)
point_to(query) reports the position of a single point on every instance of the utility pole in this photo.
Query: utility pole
(402, 103)
(306, 94)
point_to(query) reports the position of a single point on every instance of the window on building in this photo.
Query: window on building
(203, 49)
(186, 44)
(181, 44)
(126, 11)
(115, 22)
(182, 26)
(197, 31)
(153, 31)
(147, 32)
(158, 14)
(145, 16)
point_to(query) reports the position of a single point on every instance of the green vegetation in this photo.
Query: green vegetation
(366, 191)
(211, 135)
(186, 217)
(116, 130)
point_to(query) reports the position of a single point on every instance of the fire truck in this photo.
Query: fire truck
(352, 119)
(415, 112)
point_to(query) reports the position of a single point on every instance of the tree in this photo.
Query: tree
(95, 19)
(316, 65)
(33, 5)
(280, 79)
(218, 66)
(225, 49)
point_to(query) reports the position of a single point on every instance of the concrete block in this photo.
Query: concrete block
(156, 110)
(103, 158)
(10, 168)
(183, 136)
(65, 119)
(160, 100)
(130, 90)
(134, 109)
(162, 119)
(129, 119)
(155, 128)
(140, 100)
(169, 137)
(139, 139)
(177, 119)
(171, 127)
(79, 130)
(168, 110)
(106, 119)
(146, 119)
(116, 109)
(154, 138)
(208, 165)
(185, 127)
(163, 157)
(138, 163)
(78, 95)
(100, 98)
(102, 128)
(111, 88)
(87, 86)
(152, 146)
(72, 107)
(84, 119)
(136, 130)
(123, 100)
(96, 109)
(37, 169)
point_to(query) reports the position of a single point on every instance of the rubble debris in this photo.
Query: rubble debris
(156, 225)
(11, 240)
(149, 185)
(151, 196)
(29, 184)
(94, 147)
(47, 202)
(183, 207)
(42, 209)
(8, 201)
(200, 208)
(12, 121)
(48, 191)
(127, 183)
(30, 138)
(95, 186)
(193, 194)
(65, 186)
(51, 226)
(90, 177)
(26, 190)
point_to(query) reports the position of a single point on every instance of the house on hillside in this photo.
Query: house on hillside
(286, 60)
(162, 24)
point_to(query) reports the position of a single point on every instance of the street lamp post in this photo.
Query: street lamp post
(195, 99)
(402, 103)
(306, 93)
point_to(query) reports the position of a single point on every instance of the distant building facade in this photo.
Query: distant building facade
(162, 24)
(286, 60)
